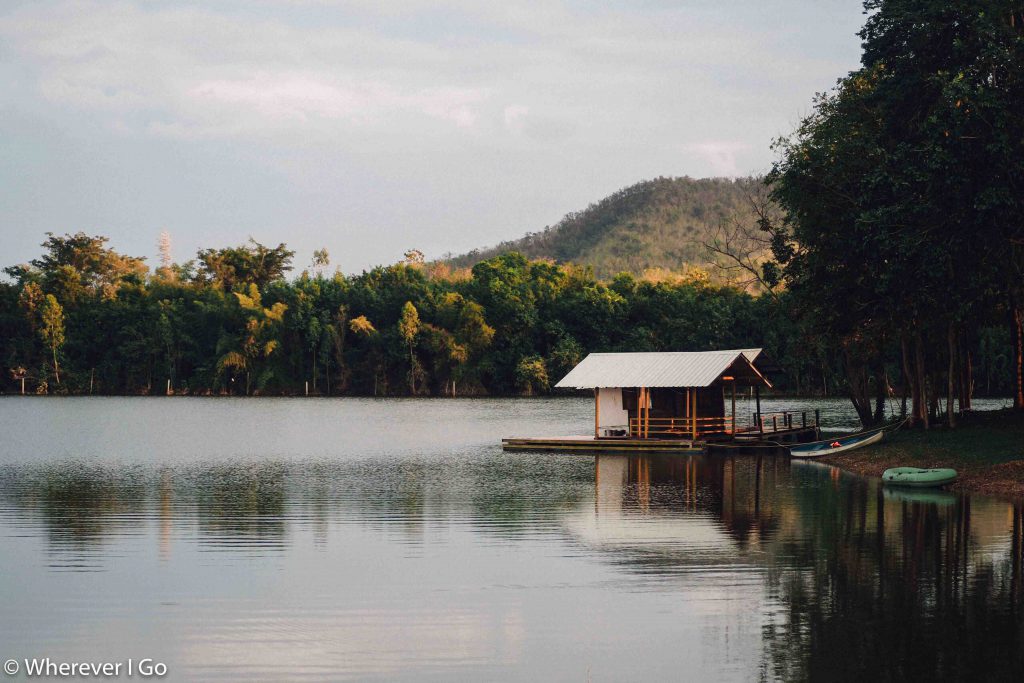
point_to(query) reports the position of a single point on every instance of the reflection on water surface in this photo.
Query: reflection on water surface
(330, 544)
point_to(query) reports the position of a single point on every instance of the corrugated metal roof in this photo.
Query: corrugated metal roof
(653, 369)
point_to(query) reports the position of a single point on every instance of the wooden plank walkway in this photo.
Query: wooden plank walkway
(589, 444)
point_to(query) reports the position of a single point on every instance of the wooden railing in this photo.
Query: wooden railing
(679, 426)
(781, 421)
(683, 427)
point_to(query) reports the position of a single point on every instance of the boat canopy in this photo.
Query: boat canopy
(665, 369)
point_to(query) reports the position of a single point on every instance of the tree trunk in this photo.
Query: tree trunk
(858, 381)
(56, 368)
(412, 372)
(910, 384)
(934, 382)
(966, 374)
(881, 395)
(921, 408)
(1017, 332)
(951, 376)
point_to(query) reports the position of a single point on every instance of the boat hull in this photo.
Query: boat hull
(828, 447)
(917, 478)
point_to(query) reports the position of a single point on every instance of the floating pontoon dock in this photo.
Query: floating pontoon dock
(672, 402)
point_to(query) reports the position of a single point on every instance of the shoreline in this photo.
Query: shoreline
(987, 451)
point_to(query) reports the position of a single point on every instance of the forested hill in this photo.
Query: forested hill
(656, 223)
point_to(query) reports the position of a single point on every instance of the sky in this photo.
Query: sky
(371, 127)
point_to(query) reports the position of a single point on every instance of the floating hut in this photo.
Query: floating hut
(673, 402)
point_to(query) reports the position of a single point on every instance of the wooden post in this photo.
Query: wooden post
(775, 423)
(686, 411)
(647, 412)
(733, 428)
(803, 418)
(640, 413)
(645, 422)
(757, 395)
(817, 417)
(597, 412)
(694, 432)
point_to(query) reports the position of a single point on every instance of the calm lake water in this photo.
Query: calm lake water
(393, 540)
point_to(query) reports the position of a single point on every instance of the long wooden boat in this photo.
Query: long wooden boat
(816, 449)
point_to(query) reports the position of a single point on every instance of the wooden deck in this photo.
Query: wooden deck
(589, 445)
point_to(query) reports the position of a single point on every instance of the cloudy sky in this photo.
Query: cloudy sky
(375, 126)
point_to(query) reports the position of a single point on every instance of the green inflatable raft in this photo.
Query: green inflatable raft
(918, 478)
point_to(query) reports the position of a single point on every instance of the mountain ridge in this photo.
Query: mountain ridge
(663, 222)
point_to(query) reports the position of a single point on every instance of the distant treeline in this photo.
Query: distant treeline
(84, 319)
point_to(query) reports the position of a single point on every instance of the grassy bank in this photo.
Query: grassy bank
(986, 449)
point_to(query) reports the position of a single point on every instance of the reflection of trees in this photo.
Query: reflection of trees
(79, 503)
(871, 584)
(515, 492)
(893, 590)
(253, 503)
(241, 504)
(83, 504)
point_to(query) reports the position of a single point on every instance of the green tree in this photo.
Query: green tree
(252, 351)
(363, 330)
(244, 265)
(31, 300)
(532, 375)
(76, 265)
(51, 329)
(408, 330)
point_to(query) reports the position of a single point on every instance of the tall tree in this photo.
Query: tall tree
(253, 349)
(51, 329)
(408, 330)
(244, 265)
(76, 265)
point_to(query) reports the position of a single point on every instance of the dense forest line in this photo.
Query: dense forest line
(654, 224)
(84, 318)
